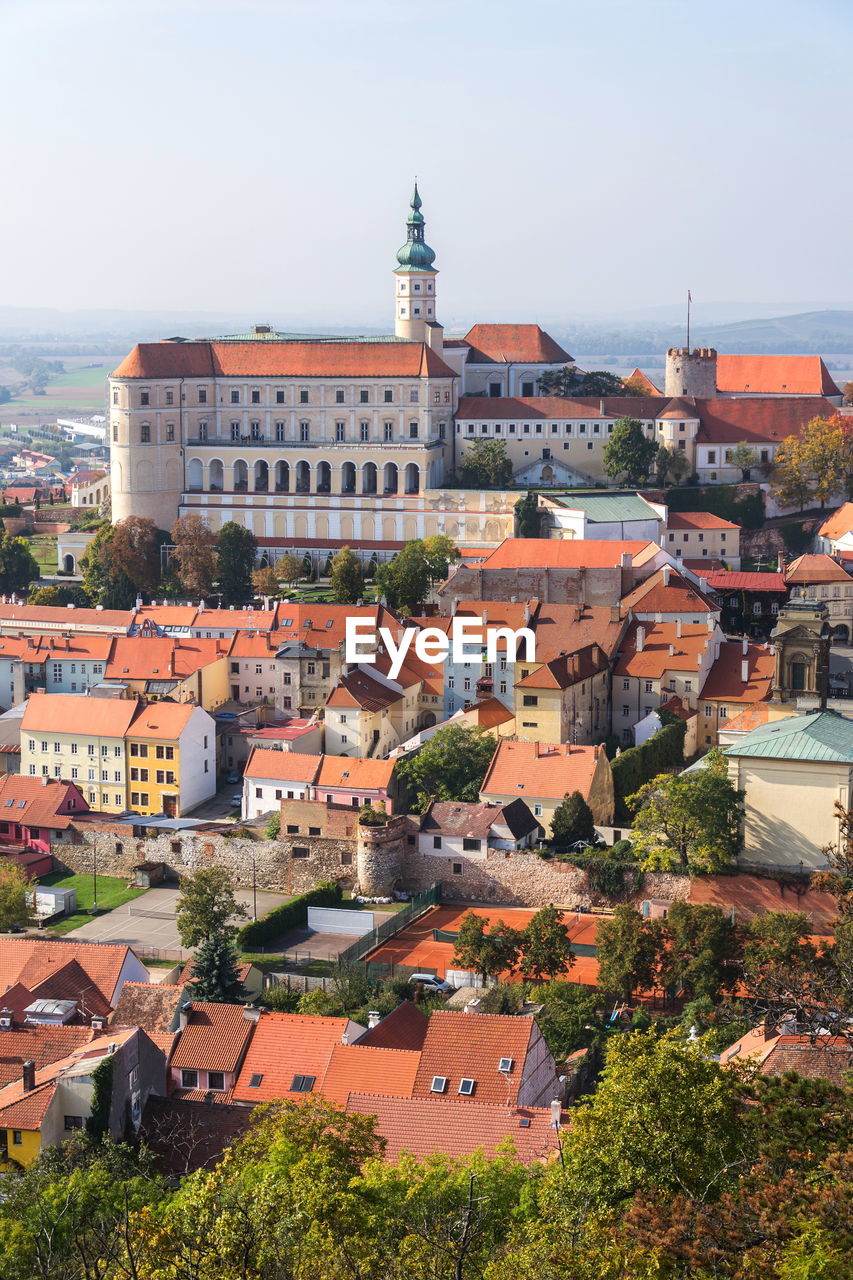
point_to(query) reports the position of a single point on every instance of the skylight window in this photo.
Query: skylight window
(505, 1065)
(439, 1084)
(302, 1084)
(9, 804)
(466, 1087)
(22, 804)
(255, 1080)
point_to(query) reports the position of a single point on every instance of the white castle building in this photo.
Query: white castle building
(316, 442)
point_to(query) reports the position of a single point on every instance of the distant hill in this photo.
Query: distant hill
(810, 333)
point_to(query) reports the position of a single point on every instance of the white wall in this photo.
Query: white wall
(197, 782)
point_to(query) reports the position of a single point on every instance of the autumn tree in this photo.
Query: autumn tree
(744, 457)
(345, 580)
(59, 596)
(545, 945)
(15, 890)
(194, 553)
(635, 385)
(265, 581)
(237, 547)
(816, 463)
(485, 465)
(487, 952)
(104, 583)
(689, 821)
(135, 552)
(629, 452)
(289, 568)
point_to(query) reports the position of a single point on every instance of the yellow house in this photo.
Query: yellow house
(171, 758)
(564, 700)
(542, 774)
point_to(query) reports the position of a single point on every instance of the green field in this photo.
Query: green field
(77, 389)
(112, 892)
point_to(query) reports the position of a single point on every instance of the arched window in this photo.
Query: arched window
(324, 477)
(241, 476)
(348, 477)
(368, 477)
(282, 477)
(390, 481)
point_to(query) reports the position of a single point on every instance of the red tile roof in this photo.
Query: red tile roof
(697, 520)
(655, 658)
(502, 343)
(725, 683)
(567, 669)
(774, 375)
(816, 568)
(71, 982)
(722, 580)
(469, 1046)
(637, 375)
(365, 1068)
(546, 770)
(52, 618)
(70, 713)
(354, 773)
(242, 619)
(40, 802)
(758, 421)
(150, 1005)
(281, 766)
(667, 591)
(32, 960)
(839, 523)
(422, 1126)
(403, 1028)
(358, 689)
(556, 553)
(162, 657)
(282, 359)
(752, 717)
(214, 1039)
(286, 1045)
(41, 1045)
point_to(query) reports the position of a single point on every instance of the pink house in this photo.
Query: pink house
(212, 1043)
(33, 811)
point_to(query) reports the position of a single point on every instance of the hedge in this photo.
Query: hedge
(290, 915)
(663, 750)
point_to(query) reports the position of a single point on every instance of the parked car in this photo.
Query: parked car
(232, 776)
(433, 984)
(237, 800)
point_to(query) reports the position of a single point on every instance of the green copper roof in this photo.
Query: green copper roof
(819, 735)
(415, 255)
(607, 508)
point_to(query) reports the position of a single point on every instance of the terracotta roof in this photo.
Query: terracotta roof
(697, 520)
(51, 616)
(150, 1005)
(566, 669)
(637, 375)
(72, 982)
(242, 619)
(284, 1046)
(816, 568)
(774, 375)
(839, 523)
(702, 565)
(25, 1109)
(358, 689)
(736, 581)
(354, 772)
(38, 1044)
(668, 591)
(539, 769)
(571, 626)
(403, 1028)
(502, 343)
(323, 626)
(167, 615)
(423, 1126)
(365, 1068)
(765, 420)
(40, 802)
(753, 895)
(282, 359)
(32, 960)
(752, 717)
(464, 1046)
(214, 1038)
(725, 683)
(555, 553)
(162, 720)
(281, 766)
(679, 407)
(73, 713)
(162, 657)
(815, 1058)
(655, 657)
(64, 648)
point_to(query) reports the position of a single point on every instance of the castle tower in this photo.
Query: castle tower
(801, 638)
(414, 284)
(380, 852)
(691, 373)
(146, 427)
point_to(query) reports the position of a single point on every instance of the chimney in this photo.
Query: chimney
(345, 1038)
(556, 1113)
(703, 586)
(744, 646)
(615, 613)
(626, 560)
(678, 628)
(666, 575)
(672, 650)
(641, 639)
(744, 671)
(45, 782)
(28, 1076)
(252, 1013)
(485, 617)
(374, 1017)
(184, 1015)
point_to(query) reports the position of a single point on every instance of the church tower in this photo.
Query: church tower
(414, 283)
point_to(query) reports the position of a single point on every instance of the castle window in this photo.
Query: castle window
(527, 389)
(235, 430)
(364, 395)
(145, 433)
(417, 288)
(279, 397)
(389, 395)
(304, 430)
(170, 397)
(202, 395)
(340, 431)
(170, 431)
(413, 395)
(417, 311)
(442, 430)
(256, 397)
(115, 431)
(115, 395)
(303, 395)
(339, 396)
(484, 429)
(413, 430)
(389, 430)
(365, 431)
(144, 398)
(202, 431)
(235, 397)
(682, 426)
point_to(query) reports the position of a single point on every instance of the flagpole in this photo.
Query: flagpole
(689, 300)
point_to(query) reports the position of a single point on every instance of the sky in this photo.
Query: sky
(579, 160)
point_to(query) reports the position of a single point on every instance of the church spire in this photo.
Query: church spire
(415, 255)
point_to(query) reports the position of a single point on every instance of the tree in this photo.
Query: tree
(289, 568)
(818, 462)
(135, 552)
(847, 391)
(670, 464)
(691, 821)
(213, 976)
(778, 938)
(237, 549)
(629, 452)
(527, 516)
(345, 578)
(487, 953)
(572, 821)
(451, 765)
(194, 553)
(405, 580)
(103, 583)
(545, 947)
(571, 382)
(265, 581)
(486, 465)
(18, 568)
(14, 889)
(696, 950)
(59, 596)
(439, 552)
(206, 906)
(791, 473)
(635, 385)
(744, 457)
(627, 947)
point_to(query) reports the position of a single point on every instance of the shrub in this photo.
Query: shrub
(288, 916)
(663, 750)
(370, 817)
(612, 877)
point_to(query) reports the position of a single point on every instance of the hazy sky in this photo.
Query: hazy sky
(577, 158)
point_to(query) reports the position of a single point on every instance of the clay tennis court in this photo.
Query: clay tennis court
(416, 946)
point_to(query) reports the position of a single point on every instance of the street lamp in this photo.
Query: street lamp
(94, 878)
(254, 891)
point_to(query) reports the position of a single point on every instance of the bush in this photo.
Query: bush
(10, 509)
(663, 750)
(370, 817)
(290, 915)
(281, 999)
(612, 877)
(796, 537)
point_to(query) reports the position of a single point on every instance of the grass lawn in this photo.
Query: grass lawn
(112, 892)
(43, 549)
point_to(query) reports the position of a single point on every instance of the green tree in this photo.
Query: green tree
(104, 583)
(14, 893)
(451, 765)
(58, 596)
(213, 976)
(405, 580)
(18, 568)
(345, 579)
(778, 938)
(194, 553)
(572, 821)
(485, 465)
(696, 952)
(744, 457)
(571, 1017)
(527, 516)
(629, 452)
(439, 552)
(207, 906)
(627, 948)
(690, 821)
(545, 946)
(135, 552)
(486, 952)
(670, 464)
(237, 549)
(570, 382)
